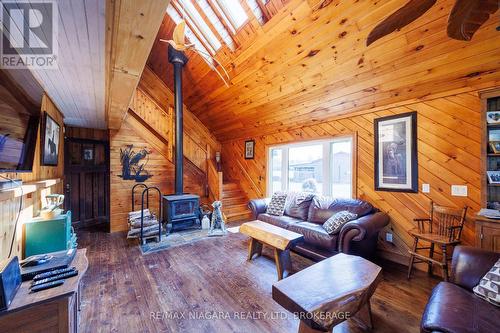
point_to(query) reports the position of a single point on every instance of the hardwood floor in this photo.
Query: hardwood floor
(125, 291)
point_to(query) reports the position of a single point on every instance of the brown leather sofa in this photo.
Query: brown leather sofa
(356, 237)
(452, 306)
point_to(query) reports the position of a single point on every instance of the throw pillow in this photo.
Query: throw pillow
(297, 204)
(337, 221)
(489, 286)
(277, 204)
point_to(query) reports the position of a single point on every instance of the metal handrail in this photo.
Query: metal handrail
(160, 210)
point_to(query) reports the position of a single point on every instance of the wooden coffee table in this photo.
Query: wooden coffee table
(330, 292)
(281, 240)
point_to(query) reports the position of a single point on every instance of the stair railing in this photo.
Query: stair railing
(214, 178)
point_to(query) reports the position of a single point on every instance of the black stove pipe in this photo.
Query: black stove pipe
(178, 59)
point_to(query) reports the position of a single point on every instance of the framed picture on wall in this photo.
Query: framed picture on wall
(493, 117)
(396, 166)
(50, 134)
(249, 149)
(495, 147)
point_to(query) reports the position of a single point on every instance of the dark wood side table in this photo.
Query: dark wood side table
(330, 292)
(488, 233)
(50, 310)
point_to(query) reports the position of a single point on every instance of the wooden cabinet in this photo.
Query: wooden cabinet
(52, 310)
(488, 234)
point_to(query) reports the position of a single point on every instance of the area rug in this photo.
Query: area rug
(175, 239)
(234, 230)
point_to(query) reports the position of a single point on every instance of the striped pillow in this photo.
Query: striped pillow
(489, 286)
(337, 221)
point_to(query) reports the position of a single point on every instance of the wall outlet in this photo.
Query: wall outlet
(459, 190)
(426, 188)
(388, 237)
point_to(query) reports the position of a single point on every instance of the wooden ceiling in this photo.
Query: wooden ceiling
(310, 63)
(77, 85)
(131, 27)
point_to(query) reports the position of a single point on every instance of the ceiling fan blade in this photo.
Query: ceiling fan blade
(400, 18)
(467, 16)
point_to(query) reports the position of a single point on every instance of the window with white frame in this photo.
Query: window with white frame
(322, 166)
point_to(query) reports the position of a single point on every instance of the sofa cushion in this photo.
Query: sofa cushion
(454, 309)
(322, 208)
(279, 221)
(488, 287)
(277, 204)
(337, 221)
(315, 234)
(297, 204)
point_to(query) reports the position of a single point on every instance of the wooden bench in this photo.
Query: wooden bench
(281, 240)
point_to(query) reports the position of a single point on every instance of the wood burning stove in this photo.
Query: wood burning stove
(180, 210)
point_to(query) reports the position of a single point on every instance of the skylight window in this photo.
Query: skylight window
(217, 24)
(234, 12)
(201, 25)
(189, 33)
(257, 12)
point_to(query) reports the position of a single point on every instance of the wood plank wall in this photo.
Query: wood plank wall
(86, 133)
(31, 203)
(449, 139)
(145, 129)
(152, 85)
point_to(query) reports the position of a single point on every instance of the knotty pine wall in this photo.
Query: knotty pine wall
(449, 136)
(158, 165)
(86, 133)
(149, 125)
(31, 203)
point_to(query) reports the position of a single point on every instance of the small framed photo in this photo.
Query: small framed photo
(493, 117)
(88, 154)
(495, 146)
(493, 177)
(249, 149)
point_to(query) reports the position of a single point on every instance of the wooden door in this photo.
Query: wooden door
(87, 182)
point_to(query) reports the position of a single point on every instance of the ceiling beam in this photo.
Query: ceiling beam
(18, 93)
(131, 28)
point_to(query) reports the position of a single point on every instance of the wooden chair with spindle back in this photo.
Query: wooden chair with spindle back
(443, 227)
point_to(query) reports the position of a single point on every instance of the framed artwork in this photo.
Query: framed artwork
(493, 117)
(50, 133)
(249, 149)
(495, 146)
(493, 177)
(88, 153)
(396, 166)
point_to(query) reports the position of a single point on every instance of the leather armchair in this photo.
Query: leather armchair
(452, 306)
(470, 264)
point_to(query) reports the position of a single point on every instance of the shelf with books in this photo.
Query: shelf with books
(490, 155)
